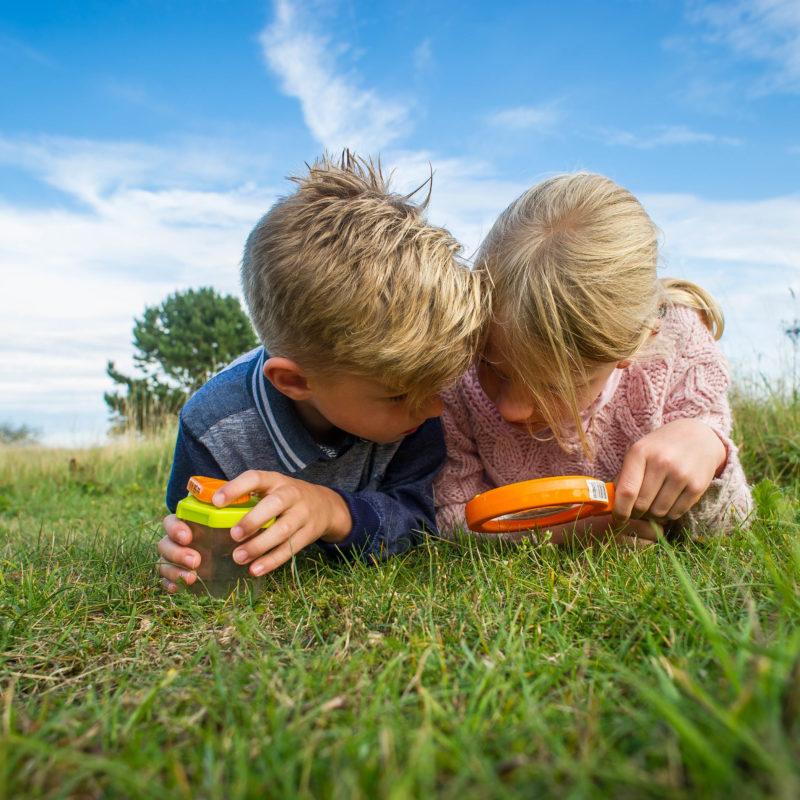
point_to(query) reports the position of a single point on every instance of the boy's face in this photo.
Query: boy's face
(363, 407)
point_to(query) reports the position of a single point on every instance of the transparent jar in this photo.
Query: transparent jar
(218, 574)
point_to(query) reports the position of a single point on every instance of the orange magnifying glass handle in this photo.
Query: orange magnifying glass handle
(528, 505)
(204, 488)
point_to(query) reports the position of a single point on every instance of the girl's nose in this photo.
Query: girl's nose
(514, 406)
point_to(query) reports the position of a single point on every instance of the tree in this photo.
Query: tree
(17, 434)
(180, 344)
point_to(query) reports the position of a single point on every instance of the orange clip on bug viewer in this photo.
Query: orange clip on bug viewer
(528, 505)
(218, 574)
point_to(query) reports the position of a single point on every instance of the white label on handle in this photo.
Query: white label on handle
(597, 490)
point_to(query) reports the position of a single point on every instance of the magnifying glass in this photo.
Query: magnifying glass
(528, 505)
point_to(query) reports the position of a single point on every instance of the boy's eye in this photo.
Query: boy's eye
(397, 398)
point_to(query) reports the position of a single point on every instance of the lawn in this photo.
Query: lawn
(460, 670)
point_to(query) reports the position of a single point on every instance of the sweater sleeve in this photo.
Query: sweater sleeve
(463, 474)
(698, 389)
(191, 458)
(396, 515)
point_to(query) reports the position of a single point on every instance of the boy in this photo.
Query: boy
(365, 313)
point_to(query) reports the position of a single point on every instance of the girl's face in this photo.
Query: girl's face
(514, 402)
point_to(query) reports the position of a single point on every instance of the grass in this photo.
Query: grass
(460, 670)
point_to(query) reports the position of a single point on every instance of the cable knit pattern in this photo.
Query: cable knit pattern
(687, 378)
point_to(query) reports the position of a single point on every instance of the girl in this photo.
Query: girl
(594, 366)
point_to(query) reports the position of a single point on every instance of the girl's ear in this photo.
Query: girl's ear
(624, 364)
(288, 377)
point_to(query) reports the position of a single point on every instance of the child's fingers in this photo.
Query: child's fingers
(283, 552)
(280, 531)
(271, 507)
(661, 505)
(252, 481)
(175, 574)
(628, 485)
(177, 554)
(647, 530)
(674, 503)
(177, 529)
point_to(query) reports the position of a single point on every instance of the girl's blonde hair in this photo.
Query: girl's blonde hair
(573, 262)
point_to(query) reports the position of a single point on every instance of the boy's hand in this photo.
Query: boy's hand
(304, 512)
(666, 472)
(175, 556)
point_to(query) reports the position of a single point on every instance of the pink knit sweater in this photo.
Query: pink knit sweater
(687, 379)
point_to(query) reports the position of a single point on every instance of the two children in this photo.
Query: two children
(588, 365)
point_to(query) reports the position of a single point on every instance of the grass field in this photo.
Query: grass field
(458, 671)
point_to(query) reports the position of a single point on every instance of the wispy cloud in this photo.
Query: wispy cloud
(18, 48)
(766, 31)
(423, 55)
(466, 196)
(745, 253)
(94, 171)
(541, 119)
(153, 220)
(338, 111)
(150, 221)
(665, 135)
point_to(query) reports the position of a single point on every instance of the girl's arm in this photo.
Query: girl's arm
(687, 470)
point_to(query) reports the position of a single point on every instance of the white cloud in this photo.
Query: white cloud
(665, 135)
(542, 119)
(75, 278)
(466, 196)
(758, 30)
(747, 255)
(338, 112)
(91, 170)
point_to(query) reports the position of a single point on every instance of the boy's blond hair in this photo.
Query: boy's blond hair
(344, 276)
(573, 265)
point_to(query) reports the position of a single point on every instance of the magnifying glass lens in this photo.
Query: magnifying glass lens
(538, 513)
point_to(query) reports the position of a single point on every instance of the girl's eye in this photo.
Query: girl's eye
(484, 363)
(397, 398)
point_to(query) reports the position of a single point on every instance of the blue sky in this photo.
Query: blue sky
(140, 141)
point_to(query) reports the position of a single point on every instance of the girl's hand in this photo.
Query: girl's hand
(585, 532)
(666, 472)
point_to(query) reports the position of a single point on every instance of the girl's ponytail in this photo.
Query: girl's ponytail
(686, 293)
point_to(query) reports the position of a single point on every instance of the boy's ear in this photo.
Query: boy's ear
(288, 377)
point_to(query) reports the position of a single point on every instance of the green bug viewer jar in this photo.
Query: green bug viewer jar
(218, 574)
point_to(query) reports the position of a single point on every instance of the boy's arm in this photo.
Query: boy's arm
(389, 520)
(190, 458)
